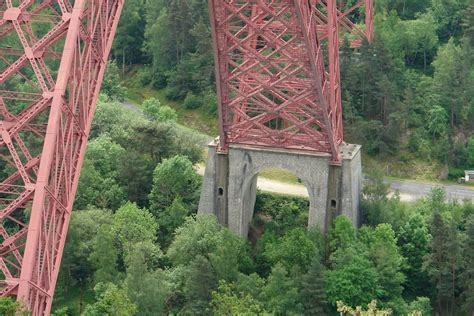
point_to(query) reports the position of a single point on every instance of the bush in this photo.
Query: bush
(421, 304)
(193, 101)
(287, 212)
(145, 75)
(111, 84)
(210, 102)
(159, 81)
(156, 112)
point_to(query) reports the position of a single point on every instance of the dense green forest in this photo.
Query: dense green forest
(136, 246)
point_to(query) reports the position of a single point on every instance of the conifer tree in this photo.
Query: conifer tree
(146, 288)
(414, 239)
(441, 263)
(313, 295)
(468, 275)
(200, 283)
(104, 256)
(280, 293)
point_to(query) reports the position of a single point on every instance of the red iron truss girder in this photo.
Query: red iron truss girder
(278, 73)
(53, 56)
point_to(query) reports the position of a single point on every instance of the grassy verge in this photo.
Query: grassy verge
(396, 168)
(280, 175)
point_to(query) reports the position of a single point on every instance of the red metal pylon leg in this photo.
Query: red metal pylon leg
(278, 82)
(53, 57)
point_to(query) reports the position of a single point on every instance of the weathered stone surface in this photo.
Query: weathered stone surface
(230, 183)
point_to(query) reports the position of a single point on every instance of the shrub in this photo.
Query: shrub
(192, 101)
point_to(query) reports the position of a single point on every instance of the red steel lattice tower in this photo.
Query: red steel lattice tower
(277, 69)
(53, 55)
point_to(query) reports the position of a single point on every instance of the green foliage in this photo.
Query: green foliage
(227, 301)
(356, 282)
(99, 184)
(199, 285)
(293, 250)
(131, 146)
(225, 262)
(372, 309)
(173, 177)
(110, 300)
(250, 284)
(155, 111)
(414, 239)
(382, 250)
(377, 206)
(132, 225)
(111, 84)
(147, 288)
(192, 101)
(286, 212)
(61, 312)
(116, 121)
(437, 120)
(77, 268)
(151, 108)
(342, 235)
(198, 236)
(130, 33)
(210, 102)
(280, 294)
(448, 16)
(468, 275)
(170, 219)
(9, 307)
(95, 190)
(421, 304)
(313, 295)
(442, 263)
(203, 236)
(179, 40)
(419, 39)
(104, 256)
(406, 10)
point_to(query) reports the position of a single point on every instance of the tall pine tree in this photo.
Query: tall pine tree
(313, 295)
(440, 265)
(200, 282)
(468, 275)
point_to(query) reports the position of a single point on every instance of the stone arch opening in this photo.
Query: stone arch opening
(281, 199)
(312, 172)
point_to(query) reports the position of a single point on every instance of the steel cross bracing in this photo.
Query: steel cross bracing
(277, 69)
(53, 55)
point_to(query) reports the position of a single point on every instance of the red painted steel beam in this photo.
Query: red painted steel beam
(56, 111)
(278, 73)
